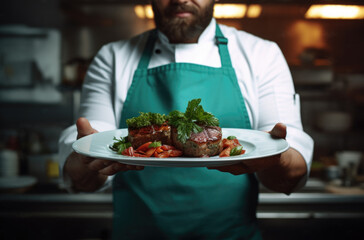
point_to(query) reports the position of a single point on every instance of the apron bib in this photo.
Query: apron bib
(185, 203)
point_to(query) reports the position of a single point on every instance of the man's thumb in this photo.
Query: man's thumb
(84, 127)
(279, 131)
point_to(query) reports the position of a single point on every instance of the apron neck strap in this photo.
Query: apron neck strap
(221, 42)
(148, 50)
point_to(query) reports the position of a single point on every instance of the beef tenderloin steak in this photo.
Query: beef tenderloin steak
(205, 143)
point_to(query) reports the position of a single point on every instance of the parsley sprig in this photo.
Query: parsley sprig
(120, 144)
(155, 144)
(192, 120)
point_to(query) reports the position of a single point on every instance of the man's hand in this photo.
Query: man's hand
(255, 165)
(280, 172)
(89, 174)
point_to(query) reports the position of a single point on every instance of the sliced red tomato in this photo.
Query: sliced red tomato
(225, 152)
(230, 143)
(175, 153)
(139, 154)
(165, 151)
(159, 149)
(128, 151)
(167, 147)
(144, 147)
(150, 152)
(161, 155)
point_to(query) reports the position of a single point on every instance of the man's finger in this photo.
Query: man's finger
(84, 128)
(115, 167)
(235, 169)
(97, 164)
(279, 131)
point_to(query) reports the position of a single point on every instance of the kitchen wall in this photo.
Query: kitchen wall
(327, 64)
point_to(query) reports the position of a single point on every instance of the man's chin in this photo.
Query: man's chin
(181, 29)
(178, 21)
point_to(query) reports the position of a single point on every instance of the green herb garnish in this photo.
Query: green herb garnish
(236, 151)
(192, 120)
(231, 137)
(155, 144)
(146, 119)
(120, 144)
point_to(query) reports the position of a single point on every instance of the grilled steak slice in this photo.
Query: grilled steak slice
(205, 143)
(139, 136)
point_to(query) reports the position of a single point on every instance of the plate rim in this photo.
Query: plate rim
(178, 161)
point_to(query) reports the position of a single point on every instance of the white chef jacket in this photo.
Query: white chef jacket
(262, 72)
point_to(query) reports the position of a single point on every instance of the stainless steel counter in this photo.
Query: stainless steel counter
(271, 205)
(312, 201)
(106, 198)
(315, 215)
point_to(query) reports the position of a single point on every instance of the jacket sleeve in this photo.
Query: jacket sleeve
(278, 102)
(96, 102)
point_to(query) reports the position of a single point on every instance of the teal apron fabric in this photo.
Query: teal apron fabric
(185, 203)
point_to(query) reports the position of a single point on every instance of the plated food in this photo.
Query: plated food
(193, 133)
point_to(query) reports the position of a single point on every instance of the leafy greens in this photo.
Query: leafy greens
(192, 120)
(146, 119)
(120, 144)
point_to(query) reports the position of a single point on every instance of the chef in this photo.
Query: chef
(242, 79)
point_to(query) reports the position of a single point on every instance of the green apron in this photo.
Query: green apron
(185, 203)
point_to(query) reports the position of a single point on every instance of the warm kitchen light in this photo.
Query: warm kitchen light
(139, 11)
(229, 10)
(335, 12)
(144, 11)
(254, 11)
(220, 11)
(149, 11)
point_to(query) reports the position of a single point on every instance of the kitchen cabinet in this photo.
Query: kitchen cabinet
(331, 114)
(32, 127)
(34, 106)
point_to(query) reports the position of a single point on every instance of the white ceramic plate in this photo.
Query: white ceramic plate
(256, 143)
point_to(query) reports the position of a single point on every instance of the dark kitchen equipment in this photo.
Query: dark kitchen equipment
(19, 74)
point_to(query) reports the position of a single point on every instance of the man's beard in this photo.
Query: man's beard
(179, 30)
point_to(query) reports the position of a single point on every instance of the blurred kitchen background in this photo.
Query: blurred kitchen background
(46, 47)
